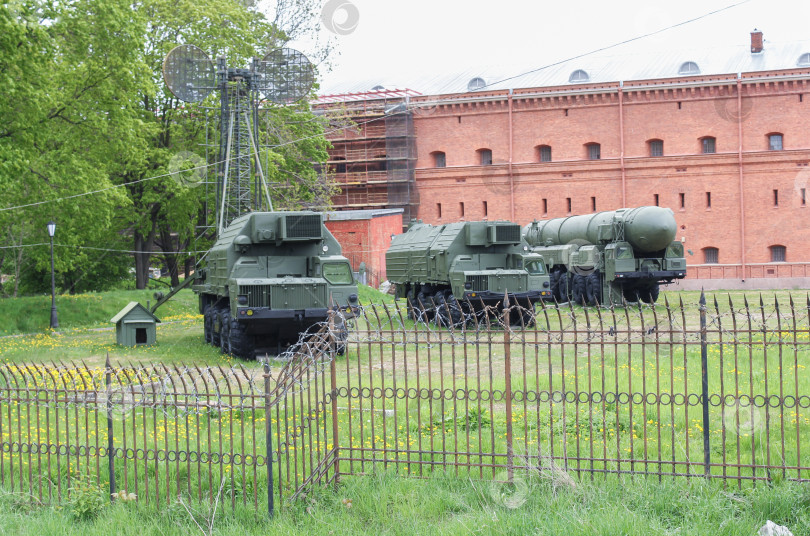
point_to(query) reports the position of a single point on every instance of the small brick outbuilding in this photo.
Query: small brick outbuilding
(135, 325)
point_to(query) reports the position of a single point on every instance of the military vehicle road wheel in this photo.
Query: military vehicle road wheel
(630, 295)
(593, 288)
(441, 316)
(456, 315)
(241, 343)
(650, 295)
(208, 325)
(578, 289)
(562, 287)
(225, 332)
(554, 282)
(341, 337)
(215, 335)
(423, 307)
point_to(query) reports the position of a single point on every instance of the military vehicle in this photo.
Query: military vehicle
(449, 268)
(269, 277)
(606, 257)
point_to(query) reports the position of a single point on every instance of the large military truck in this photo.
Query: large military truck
(449, 268)
(609, 257)
(269, 277)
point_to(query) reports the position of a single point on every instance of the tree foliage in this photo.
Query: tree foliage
(91, 138)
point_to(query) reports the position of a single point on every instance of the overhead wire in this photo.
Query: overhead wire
(393, 112)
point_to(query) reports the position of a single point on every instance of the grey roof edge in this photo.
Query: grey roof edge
(367, 214)
(128, 309)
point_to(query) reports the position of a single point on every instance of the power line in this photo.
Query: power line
(388, 114)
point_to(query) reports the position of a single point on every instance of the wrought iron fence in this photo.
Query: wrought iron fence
(669, 390)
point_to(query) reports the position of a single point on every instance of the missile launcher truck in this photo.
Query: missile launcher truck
(449, 268)
(606, 257)
(269, 277)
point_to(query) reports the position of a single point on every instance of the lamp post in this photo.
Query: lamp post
(54, 319)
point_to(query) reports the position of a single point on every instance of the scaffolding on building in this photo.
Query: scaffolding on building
(373, 153)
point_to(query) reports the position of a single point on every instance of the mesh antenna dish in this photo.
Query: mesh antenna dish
(189, 73)
(284, 75)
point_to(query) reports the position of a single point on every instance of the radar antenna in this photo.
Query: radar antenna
(282, 77)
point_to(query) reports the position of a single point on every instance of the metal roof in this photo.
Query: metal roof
(611, 66)
(362, 214)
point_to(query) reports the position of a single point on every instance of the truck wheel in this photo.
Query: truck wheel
(241, 343)
(554, 283)
(593, 288)
(562, 287)
(456, 316)
(630, 294)
(215, 335)
(578, 289)
(341, 337)
(208, 325)
(225, 332)
(422, 306)
(441, 316)
(650, 295)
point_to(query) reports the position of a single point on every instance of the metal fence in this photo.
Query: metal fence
(713, 391)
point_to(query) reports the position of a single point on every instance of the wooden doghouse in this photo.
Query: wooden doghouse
(135, 325)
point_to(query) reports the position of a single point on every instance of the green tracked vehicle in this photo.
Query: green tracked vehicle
(609, 257)
(269, 277)
(449, 268)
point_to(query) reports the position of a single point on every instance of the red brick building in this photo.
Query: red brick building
(364, 236)
(719, 136)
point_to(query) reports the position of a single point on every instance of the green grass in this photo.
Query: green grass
(391, 505)
(32, 314)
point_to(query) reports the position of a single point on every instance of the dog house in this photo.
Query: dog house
(135, 325)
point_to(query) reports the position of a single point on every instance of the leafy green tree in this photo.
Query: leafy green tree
(67, 124)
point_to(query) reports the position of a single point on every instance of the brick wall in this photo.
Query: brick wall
(680, 116)
(366, 240)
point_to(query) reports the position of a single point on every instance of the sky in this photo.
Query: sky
(393, 42)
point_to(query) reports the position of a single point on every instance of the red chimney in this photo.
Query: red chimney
(756, 41)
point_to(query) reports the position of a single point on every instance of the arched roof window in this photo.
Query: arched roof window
(578, 77)
(689, 68)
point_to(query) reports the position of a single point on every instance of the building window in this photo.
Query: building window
(439, 159)
(656, 147)
(775, 142)
(708, 144)
(439, 210)
(461, 208)
(545, 206)
(689, 68)
(593, 204)
(486, 210)
(655, 199)
(804, 60)
(710, 255)
(568, 202)
(683, 200)
(594, 151)
(778, 253)
(776, 198)
(485, 156)
(708, 200)
(803, 196)
(544, 153)
(579, 77)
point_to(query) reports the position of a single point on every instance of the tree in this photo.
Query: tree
(67, 123)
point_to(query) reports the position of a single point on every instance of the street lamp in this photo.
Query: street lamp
(54, 320)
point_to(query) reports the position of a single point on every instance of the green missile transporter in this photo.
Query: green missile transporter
(449, 268)
(269, 277)
(609, 257)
